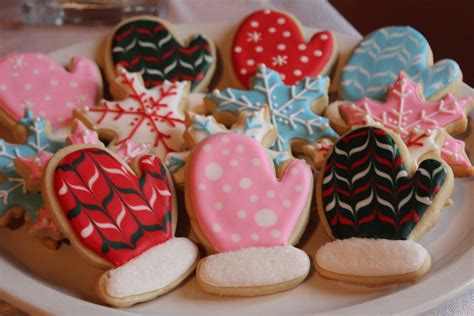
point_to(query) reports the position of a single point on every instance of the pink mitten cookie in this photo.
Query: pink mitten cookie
(276, 39)
(119, 217)
(248, 213)
(35, 81)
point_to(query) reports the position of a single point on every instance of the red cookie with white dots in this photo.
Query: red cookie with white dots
(276, 39)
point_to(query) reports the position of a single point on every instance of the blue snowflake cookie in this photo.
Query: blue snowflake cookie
(291, 107)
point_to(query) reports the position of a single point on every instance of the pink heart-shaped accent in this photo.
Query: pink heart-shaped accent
(275, 39)
(37, 82)
(236, 197)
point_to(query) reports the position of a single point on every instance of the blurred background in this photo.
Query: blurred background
(448, 25)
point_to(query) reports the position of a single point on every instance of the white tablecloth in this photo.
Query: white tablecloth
(16, 37)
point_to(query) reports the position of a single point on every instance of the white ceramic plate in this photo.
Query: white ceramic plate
(40, 280)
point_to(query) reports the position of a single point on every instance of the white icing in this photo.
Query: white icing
(213, 171)
(265, 217)
(425, 138)
(196, 102)
(371, 257)
(254, 266)
(155, 269)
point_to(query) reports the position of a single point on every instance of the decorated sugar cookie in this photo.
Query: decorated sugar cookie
(375, 202)
(152, 47)
(249, 214)
(254, 124)
(377, 60)
(119, 217)
(146, 116)
(294, 110)
(31, 170)
(16, 200)
(420, 123)
(276, 39)
(32, 80)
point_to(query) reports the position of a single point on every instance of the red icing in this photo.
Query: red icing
(275, 39)
(113, 212)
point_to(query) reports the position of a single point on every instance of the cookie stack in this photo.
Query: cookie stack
(102, 173)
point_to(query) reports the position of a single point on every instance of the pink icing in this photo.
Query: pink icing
(131, 150)
(405, 109)
(453, 152)
(82, 135)
(43, 222)
(35, 81)
(36, 164)
(236, 197)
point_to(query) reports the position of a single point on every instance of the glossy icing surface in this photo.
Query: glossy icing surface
(236, 197)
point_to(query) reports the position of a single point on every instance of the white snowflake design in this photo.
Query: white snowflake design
(279, 60)
(290, 106)
(18, 62)
(254, 36)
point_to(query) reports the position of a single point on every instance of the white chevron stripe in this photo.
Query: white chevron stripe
(164, 40)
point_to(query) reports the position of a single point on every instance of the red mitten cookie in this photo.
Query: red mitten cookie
(276, 39)
(121, 218)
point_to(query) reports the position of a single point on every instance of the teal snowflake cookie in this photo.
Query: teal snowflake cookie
(294, 109)
(13, 192)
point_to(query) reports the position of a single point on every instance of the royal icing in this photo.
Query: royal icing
(31, 80)
(377, 60)
(80, 134)
(290, 106)
(453, 152)
(371, 257)
(407, 113)
(367, 192)
(111, 211)
(236, 197)
(156, 268)
(147, 116)
(13, 191)
(44, 223)
(35, 165)
(254, 124)
(254, 267)
(151, 48)
(275, 39)
(318, 151)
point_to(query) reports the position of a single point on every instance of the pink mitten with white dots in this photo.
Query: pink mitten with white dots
(242, 210)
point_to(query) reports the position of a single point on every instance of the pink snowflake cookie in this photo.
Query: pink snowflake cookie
(423, 125)
(242, 210)
(35, 81)
(146, 116)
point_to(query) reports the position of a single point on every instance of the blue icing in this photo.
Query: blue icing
(378, 59)
(251, 122)
(175, 163)
(290, 106)
(201, 123)
(12, 190)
